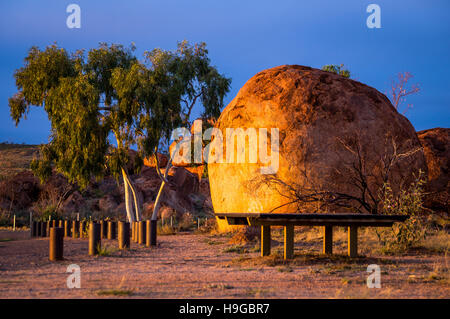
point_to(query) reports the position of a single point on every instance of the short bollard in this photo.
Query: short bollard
(56, 244)
(142, 226)
(124, 235)
(133, 232)
(43, 229)
(94, 238)
(33, 229)
(82, 229)
(111, 230)
(61, 223)
(151, 232)
(103, 228)
(75, 228)
(38, 229)
(66, 228)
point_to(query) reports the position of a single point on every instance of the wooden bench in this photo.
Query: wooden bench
(327, 221)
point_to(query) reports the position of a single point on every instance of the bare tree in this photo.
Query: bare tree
(400, 89)
(361, 180)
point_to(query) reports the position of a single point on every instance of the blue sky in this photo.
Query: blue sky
(243, 38)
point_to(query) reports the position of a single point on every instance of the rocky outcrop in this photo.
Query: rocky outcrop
(328, 125)
(436, 145)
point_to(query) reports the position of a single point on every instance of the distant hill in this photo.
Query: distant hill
(15, 158)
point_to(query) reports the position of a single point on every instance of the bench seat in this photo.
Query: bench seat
(327, 221)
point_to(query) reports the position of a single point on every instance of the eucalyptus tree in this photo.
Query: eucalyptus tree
(109, 92)
(193, 83)
(82, 105)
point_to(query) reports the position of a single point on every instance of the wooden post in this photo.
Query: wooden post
(82, 229)
(38, 229)
(66, 228)
(75, 228)
(94, 238)
(14, 223)
(133, 232)
(47, 228)
(124, 235)
(61, 223)
(142, 228)
(44, 229)
(265, 240)
(328, 239)
(289, 242)
(33, 229)
(56, 246)
(53, 223)
(153, 230)
(103, 228)
(353, 241)
(111, 230)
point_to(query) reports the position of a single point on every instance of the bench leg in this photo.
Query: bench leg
(265, 240)
(328, 239)
(288, 242)
(353, 241)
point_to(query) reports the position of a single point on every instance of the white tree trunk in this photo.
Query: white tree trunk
(137, 206)
(128, 203)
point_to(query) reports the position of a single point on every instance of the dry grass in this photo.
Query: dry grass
(115, 292)
(15, 158)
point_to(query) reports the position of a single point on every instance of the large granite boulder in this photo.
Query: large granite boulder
(330, 127)
(436, 145)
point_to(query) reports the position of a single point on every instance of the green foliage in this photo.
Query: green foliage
(408, 202)
(105, 251)
(109, 91)
(338, 69)
(49, 212)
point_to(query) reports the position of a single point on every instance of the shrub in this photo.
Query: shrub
(337, 69)
(408, 202)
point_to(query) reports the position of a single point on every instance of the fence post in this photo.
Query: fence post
(124, 235)
(103, 228)
(153, 232)
(75, 228)
(111, 230)
(82, 228)
(38, 229)
(66, 228)
(44, 229)
(14, 223)
(94, 238)
(142, 237)
(56, 245)
(33, 229)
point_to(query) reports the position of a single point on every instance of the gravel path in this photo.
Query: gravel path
(197, 266)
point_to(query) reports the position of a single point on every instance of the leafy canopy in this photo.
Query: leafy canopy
(110, 91)
(337, 69)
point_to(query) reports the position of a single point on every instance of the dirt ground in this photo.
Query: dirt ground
(189, 265)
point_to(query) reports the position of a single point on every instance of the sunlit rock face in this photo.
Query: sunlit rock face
(322, 118)
(436, 144)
